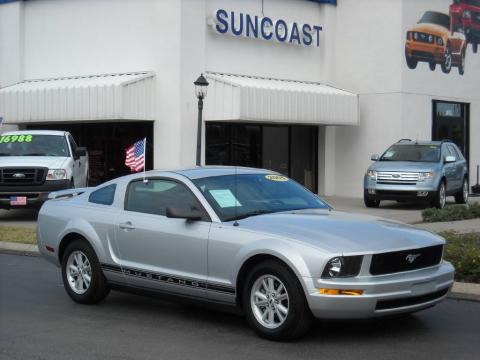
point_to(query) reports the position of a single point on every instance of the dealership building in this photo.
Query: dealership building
(309, 88)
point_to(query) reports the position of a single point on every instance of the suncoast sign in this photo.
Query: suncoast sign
(265, 28)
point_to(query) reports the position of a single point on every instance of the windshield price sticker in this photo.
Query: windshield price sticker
(15, 138)
(276, 178)
(225, 198)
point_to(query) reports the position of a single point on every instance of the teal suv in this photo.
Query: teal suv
(419, 171)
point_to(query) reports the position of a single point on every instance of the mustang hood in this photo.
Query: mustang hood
(340, 232)
(33, 161)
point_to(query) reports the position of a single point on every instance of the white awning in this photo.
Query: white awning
(233, 97)
(96, 97)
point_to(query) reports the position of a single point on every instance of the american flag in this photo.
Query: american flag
(135, 159)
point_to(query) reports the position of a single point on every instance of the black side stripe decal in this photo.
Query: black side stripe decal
(169, 279)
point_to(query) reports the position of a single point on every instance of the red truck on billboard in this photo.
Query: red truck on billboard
(465, 14)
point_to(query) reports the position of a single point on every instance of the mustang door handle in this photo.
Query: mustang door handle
(126, 226)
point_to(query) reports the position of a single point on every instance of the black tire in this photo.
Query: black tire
(461, 66)
(447, 60)
(461, 197)
(369, 201)
(475, 47)
(299, 318)
(98, 288)
(432, 65)
(411, 62)
(437, 200)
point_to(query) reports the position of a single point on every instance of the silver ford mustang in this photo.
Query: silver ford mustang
(244, 237)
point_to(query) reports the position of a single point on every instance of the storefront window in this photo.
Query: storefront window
(288, 149)
(451, 122)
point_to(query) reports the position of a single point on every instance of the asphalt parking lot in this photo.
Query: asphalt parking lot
(39, 321)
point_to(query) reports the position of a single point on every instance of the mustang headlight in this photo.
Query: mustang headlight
(56, 174)
(372, 174)
(426, 176)
(342, 266)
(439, 41)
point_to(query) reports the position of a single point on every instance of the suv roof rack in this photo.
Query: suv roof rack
(404, 140)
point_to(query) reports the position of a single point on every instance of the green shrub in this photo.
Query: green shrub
(452, 213)
(463, 251)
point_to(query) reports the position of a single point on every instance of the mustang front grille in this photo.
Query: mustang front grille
(22, 176)
(398, 261)
(395, 177)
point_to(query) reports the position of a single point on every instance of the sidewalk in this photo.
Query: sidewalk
(460, 291)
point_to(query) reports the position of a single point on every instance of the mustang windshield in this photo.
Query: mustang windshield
(431, 17)
(33, 145)
(240, 196)
(416, 153)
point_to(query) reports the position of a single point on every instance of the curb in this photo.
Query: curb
(460, 291)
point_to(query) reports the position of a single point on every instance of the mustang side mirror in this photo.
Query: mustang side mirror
(81, 151)
(450, 159)
(175, 213)
(375, 157)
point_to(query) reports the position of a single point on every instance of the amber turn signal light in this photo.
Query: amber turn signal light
(340, 292)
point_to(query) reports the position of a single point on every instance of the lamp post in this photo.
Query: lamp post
(201, 91)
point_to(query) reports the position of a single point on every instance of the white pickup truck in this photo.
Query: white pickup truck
(37, 162)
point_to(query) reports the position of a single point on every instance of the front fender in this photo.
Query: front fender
(280, 249)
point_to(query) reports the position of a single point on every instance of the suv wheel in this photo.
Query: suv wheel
(274, 302)
(462, 196)
(440, 198)
(82, 275)
(369, 201)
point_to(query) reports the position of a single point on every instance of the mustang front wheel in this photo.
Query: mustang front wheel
(82, 275)
(274, 302)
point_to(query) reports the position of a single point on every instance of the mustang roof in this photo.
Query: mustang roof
(207, 171)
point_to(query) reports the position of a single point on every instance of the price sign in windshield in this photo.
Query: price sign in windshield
(15, 138)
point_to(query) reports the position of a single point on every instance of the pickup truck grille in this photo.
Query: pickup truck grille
(406, 260)
(23, 176)
(395, 177)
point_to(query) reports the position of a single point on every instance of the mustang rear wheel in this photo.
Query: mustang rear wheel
(447, 61)
(82, 275)
(274, 302)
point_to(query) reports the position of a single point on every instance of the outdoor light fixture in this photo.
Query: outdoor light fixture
(201, 91)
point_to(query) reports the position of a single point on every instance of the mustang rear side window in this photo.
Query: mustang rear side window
(103, 196)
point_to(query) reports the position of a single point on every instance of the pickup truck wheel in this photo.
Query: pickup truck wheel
(462, 196)
(440, 198)
(370, 202)
(275, 303)
(82, 275)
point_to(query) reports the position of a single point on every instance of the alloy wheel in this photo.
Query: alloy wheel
(443, 197)
(269, 301)
(465, 191)
(79, 272)
(447, 60)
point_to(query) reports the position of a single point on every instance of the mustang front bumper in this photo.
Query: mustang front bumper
(383, 295)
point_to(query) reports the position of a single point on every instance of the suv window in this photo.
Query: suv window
(454, 151)
(154, 196)
(103, 196)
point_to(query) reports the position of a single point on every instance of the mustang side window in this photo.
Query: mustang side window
(154, 196)
(103, 196)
